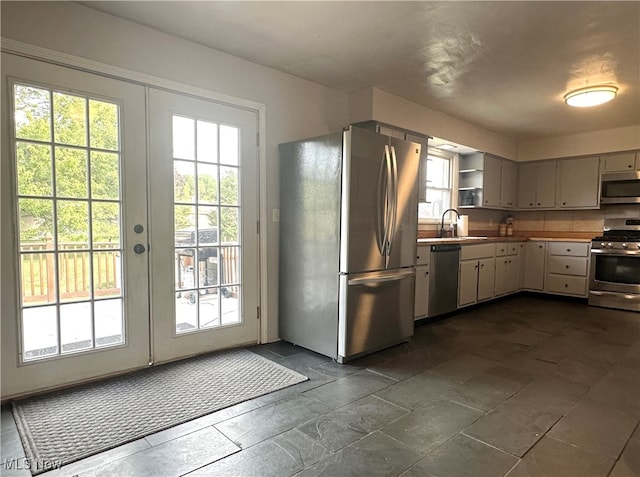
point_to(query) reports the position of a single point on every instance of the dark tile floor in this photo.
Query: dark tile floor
(525, 386)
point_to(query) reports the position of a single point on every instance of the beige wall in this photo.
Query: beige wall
(295, 108)
(610, 140)
(373, 103)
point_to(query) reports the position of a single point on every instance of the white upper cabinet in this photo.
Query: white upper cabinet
(620, 162)
(578, 183)
(508, 184)
(537, 185)
(492, 180)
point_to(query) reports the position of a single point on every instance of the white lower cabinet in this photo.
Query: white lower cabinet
(507, 277)
(476, 274)
(567, 268)
(533, 269)
(422, 282)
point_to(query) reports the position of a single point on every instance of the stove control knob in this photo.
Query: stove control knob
(609, 245)
(624, 245)
(602, 244)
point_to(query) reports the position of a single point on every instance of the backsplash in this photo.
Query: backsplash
(548, 223)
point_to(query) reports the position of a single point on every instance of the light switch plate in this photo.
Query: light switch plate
(276, 215)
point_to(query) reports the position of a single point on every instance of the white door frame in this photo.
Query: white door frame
(83, 64)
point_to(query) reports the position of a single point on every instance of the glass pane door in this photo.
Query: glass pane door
(67, 152)
(204, 255)
(207, 213)
(74, 293)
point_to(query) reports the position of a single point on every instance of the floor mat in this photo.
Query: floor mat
(69, 425)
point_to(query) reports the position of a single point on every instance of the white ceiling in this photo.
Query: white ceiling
(502, 65)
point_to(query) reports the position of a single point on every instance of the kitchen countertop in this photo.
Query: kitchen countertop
(477, 240)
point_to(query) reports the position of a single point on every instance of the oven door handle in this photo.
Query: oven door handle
(616, 252)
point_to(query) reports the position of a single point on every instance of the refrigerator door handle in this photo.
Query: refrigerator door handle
(384, 204)
(394, 196)
(391, 277)
(388, 206)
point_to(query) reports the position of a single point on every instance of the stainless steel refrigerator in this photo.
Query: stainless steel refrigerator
(348, 226)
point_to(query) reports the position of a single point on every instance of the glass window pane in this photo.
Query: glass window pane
(73, 224)
(105, 225)
(184, 184)
(71, 173)
(208, 266)
(185, 269)
(230, 265)
(40, 332)
(184, 223)
(209, 311)
(74, 276)
(438, 172)
(32, 112)
(229, 225)
(105, 175)
(103, 125)
(37, 274)
(184, 137)
(36, 222)
(75, 327)
(69, 119)
(207, 141)
(229, 186)
(107, 274)
(186, 312)
(230, 305)
(35, 176)
(229, 147)
(108, 322)
(437, 202)
(207, 225)
(207, 184)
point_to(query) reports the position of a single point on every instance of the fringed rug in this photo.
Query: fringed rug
(72, 424)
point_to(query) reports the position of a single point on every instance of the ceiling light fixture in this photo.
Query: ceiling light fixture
(448, 147)
(590, 96)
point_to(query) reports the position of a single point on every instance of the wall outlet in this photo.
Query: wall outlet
(276, 215)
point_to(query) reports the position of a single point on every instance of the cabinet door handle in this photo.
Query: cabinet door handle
(566, 285)
(568, 250)
(538, 203)
(567, 267)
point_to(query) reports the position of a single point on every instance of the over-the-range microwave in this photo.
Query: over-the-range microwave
(620, 188)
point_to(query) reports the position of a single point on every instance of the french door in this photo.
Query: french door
(96, 278)
(203, 177)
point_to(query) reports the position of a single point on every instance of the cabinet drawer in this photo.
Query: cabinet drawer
(567, 284)
(574, 249)
(568, 265)
(422, 257)
(507, 248)
(472, 252)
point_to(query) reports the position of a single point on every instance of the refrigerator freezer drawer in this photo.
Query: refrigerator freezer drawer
(376, 311)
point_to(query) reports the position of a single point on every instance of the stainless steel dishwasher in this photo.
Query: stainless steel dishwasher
(443, 282)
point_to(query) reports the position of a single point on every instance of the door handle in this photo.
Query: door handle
(139, 248)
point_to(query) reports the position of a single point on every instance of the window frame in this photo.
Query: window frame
(453, 182)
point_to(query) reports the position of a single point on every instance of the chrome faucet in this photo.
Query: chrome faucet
(442, 223)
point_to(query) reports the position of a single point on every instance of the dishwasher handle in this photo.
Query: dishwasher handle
(446, 247)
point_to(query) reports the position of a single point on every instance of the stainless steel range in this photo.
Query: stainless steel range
(614, 279)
